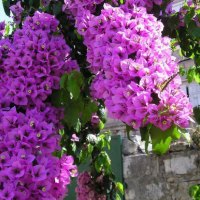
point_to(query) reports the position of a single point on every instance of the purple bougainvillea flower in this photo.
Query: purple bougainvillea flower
(2, 29)
(7, 193)
(17, 170)
(74, 138)
(17, 9)
(39, 173)
(4, 159)
(95, 119)
(26, 62)
(20, 99)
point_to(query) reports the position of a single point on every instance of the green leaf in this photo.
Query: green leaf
(121, 1)
(75, 83)
(86, 153)
(194, 30)
(90, 149)
(59, 98)
(118, 197)
(57, 154)
(182, 71)
(193, 191)
(120, 187)
(77, 126)
(101, 125)
(103, 163)
(63, 81)
(31, 2)
(162, 146)
(77, 35)
(104, 140)
(6, 6)
(83, 155)
(7, 30)
(197, 77)
(189, 15)
(143, 132)
(73, 109)
(61, 132)
(161, 140)
(196, 113)
(193, 74)
(57, 8)
(190, 74)
(172, 26)
(34, 3)
(145, 135)
(73, 145)
(89, 108)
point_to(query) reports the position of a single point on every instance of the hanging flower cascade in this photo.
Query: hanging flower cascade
(27, 168)
(35, 60)
(131, 61)
(31, 64)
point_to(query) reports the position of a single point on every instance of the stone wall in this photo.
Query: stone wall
(152, 177)
(168, 177)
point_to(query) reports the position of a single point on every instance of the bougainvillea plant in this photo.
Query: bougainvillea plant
(63, 64)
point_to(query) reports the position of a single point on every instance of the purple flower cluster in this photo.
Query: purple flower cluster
(84, 189)
(132, 63)
(2, 29)
(34, 61)
(27, 168)
(31, 65)
(95, 119)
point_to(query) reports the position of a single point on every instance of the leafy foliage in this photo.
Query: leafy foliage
(6, 5)
(184, 28)
(196, 111)
(160, 140)
(194, 192)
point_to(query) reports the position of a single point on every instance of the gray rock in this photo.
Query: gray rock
(178, 146)
(129, 147)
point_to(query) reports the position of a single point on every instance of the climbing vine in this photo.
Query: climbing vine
(63, 63)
